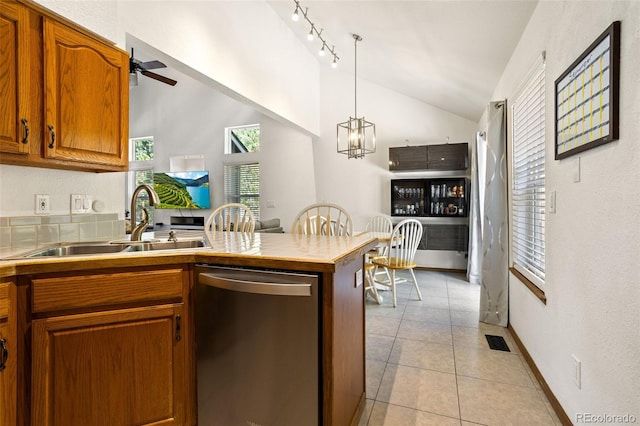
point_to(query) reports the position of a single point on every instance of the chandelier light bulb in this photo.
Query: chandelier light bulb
(334, 64)
(322, 51)
(295, 17)
(310, 35)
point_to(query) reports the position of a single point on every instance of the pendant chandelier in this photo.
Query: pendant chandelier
(357, 136)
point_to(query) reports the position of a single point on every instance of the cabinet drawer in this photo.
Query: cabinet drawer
(445, 237)
(87, 291)
(4, 301)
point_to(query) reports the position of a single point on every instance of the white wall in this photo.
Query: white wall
(229, 42)
(593, 241)
(190, 119)
(233, 42)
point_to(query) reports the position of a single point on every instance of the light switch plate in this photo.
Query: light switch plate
(576, 170)
(359, 279)
(552, 201)
(81, 203)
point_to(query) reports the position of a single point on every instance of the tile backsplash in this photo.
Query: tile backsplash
(35, 231)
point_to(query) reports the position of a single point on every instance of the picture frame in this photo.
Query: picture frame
(587, 97)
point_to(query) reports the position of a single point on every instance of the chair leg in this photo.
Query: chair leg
(415, 283)
(393, 287)
(371, 287)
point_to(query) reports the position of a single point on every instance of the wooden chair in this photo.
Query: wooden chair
(323, 219)
(233, 217)
(370, 284)
(382, 224)
(401, 251)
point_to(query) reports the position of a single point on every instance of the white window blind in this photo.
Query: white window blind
(242, 185)
(528, 202)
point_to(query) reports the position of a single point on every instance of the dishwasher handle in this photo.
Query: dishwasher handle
(255, 287)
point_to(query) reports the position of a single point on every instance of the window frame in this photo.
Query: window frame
(135, 167)
(528, 180)
(228, 140)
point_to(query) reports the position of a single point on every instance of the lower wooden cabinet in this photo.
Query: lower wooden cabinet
(8, 355)
(122, 367)
(111, 349)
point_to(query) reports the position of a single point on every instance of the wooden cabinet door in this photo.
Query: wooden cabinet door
(453, 156)
(14, 79)
(408, 158)
(86, 99)
(121, 367)
(8, 356)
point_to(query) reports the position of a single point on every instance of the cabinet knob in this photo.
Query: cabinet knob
(53, 137)
(25, 124)
(4, 354)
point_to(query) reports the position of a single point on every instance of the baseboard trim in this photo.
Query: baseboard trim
(425, 268)
(543, 383)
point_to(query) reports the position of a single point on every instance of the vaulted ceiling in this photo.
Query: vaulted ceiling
(447, 53)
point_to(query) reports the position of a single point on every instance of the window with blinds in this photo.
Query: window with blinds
(140, 172)
(242, 185)
(528, 201)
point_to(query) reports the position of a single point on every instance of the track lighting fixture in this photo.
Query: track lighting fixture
(313, 33)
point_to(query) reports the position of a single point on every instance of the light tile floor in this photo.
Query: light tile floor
(428, 362)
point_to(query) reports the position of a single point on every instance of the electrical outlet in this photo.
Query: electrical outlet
(577, 372)
(42, 204)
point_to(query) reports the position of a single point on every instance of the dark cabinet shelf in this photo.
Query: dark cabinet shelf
(446, 197)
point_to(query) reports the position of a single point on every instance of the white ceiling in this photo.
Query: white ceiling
(447, 53)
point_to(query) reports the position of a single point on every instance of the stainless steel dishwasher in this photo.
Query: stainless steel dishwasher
(257, 340)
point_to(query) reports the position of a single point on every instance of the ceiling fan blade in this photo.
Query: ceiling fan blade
(158, 77)
(151, 65)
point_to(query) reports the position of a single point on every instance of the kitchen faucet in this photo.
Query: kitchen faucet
(137, 230)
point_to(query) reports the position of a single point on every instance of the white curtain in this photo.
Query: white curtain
(476, 213)
(488, 247)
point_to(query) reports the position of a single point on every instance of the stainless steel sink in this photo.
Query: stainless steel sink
(77, 249)
(165, 245)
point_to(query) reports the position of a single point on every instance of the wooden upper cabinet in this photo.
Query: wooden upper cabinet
(408, 158)
(86, 98)
(429, 157)
(14, 79)
(64, 93)
(454, 156)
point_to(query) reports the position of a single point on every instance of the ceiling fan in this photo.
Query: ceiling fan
(136, 66)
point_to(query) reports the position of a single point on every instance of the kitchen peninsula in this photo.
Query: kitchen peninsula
(129, 317)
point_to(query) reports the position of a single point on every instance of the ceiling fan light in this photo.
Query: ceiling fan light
(133, 79)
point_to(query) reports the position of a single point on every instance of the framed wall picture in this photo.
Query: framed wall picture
(587, 97)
